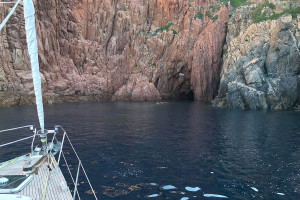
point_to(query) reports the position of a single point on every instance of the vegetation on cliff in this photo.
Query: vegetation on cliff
(261, 64)
(260, 14)
(199, 15)
(235, 3)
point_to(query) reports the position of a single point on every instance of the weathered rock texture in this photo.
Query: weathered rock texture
(261, 68)
(115, 50)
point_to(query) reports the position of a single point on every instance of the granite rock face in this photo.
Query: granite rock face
(261, 67)
(138, 88)
(137, 50)
(115, 50)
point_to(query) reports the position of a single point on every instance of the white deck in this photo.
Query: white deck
(56, 188)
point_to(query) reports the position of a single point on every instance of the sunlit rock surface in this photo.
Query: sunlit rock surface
(261, 68)
(151, 50)
(115, 50)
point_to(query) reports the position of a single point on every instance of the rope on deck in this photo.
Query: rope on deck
(46, 184)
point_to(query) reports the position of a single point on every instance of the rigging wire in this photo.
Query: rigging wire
(8, 16)
(93, 191)
(4, 2)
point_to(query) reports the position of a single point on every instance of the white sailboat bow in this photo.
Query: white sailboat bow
(37, 175)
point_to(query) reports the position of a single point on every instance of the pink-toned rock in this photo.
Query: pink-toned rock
(122, 50)
(138, 88)
(206, 63)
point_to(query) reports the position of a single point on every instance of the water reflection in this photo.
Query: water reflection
(135, 150)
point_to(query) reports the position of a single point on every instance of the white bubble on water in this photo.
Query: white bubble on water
(192, 189)
(153, 195)
(168, 187)
(215, 195)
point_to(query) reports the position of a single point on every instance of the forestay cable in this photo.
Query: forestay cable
(33, 53)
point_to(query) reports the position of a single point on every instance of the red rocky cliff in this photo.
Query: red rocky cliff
(115, 50)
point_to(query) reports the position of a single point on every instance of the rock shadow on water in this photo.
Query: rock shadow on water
(121, 189)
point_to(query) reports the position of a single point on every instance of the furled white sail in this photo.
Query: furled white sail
(33, 53)
(10, 13)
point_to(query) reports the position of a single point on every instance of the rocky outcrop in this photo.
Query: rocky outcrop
(115, 50)
(261, 67)
(138, 88)
(205, 76)
(152, 50)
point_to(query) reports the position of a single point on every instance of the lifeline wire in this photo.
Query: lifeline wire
(11, 129)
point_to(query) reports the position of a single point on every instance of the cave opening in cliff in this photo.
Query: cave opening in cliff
(181, 84)
(190, 96)
(186, 96)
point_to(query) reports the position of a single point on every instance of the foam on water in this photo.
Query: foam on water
(215, 195)
(168, 187)
(184, 198)
(192, 189)
(280, 194)
(255, 189)
(153, 195)
(153, 184)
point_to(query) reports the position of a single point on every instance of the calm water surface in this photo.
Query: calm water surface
(178, 150)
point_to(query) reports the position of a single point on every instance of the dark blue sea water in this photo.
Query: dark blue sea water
(140, 150)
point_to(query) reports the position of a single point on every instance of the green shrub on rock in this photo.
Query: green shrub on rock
(208, 14)
(259, 16)
(199, 15)
(215, 18)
